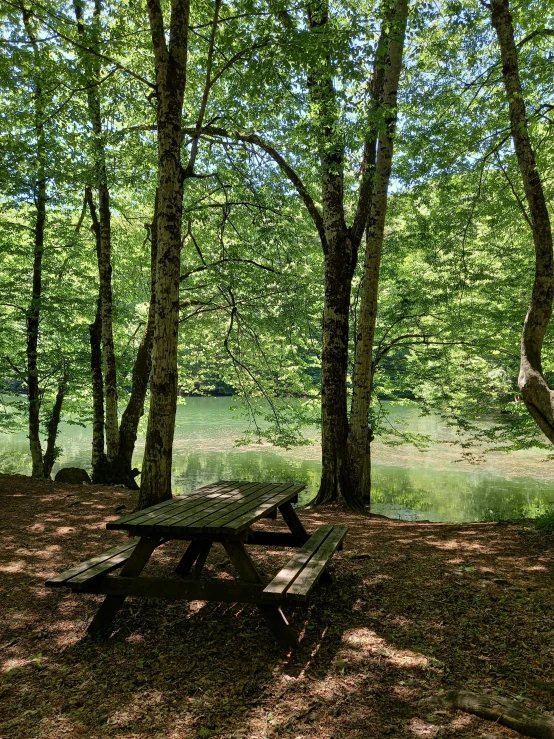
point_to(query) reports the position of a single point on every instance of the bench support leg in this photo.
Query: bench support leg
(273, 616)
(100, 624)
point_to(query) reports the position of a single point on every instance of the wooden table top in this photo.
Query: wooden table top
(221, 509)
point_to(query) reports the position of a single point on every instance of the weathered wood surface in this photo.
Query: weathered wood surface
(224, 512)
(108, 561)
(222, 509)
(298, 577)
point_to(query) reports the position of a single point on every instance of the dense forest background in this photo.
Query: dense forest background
(279, 106)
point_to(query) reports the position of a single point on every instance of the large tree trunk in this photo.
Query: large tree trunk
(360, 434)
(33, 311)
(340, 257)
(128, 428)
(170, 65)
(91, 64)
(536, 394)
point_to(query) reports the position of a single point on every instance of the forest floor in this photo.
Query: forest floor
(415, 608)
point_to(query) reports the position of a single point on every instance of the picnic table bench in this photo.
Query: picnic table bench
(224, 512)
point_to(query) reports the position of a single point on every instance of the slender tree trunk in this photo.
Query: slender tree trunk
(536, 394)
(99, 459)
(52, 428)
(128, 428)
(170, 64)
(91, 64)
(360, 435)
(33, 311)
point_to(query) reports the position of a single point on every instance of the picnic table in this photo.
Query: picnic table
(223, 512)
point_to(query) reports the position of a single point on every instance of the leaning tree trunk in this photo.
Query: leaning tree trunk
(535, 392)
(91, 63)
(170, 65)
(128, 428)
(360, 434)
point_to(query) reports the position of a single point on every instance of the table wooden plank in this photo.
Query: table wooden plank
(236, 526)
(172, 501)
(208, 523)
(182, 507)
(190, 518)
(270, 492)
(224, 502)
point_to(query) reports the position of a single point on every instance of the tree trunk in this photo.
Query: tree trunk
(360, 434)
(536, 394)
(52, 428)
(170, 65)
(99, 459)
(340, 257)
(33, 311)
(91, 64)
(128, 427)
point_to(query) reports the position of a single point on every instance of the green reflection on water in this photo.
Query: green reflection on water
(407, 483)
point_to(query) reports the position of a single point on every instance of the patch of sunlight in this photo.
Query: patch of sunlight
(419, 727)
(17, 566)
(366, 642)
(455, 544)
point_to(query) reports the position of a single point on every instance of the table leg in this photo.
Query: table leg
(273, 615)
(100, 624)
(293, 522)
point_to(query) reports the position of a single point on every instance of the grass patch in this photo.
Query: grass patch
(545, 521)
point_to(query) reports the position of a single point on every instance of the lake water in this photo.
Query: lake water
(436, 484)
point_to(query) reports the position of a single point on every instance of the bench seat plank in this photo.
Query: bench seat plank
(306, 580)
(292, 569)
(298, 577)
(107, 561)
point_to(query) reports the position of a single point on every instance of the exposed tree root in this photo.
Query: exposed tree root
(512, 714)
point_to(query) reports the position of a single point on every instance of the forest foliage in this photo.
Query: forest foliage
(457, 265)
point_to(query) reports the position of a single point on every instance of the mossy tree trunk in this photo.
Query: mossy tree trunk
(385, 95)
(170, 58)
(535, 391)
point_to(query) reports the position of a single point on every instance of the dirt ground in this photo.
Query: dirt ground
(415, 608)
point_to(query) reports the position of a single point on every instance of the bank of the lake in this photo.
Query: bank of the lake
(437, 484)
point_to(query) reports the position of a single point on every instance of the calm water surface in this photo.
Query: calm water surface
(436, 484)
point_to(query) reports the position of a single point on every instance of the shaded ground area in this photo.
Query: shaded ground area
(415, 608)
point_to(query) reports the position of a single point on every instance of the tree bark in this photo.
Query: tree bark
(52, 429)
(360, 435)
(535, 392)
(99, 459)
(91, 64)
(33, 311)
(340, 259)
(170, 65)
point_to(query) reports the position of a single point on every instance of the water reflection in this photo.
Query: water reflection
(407, 483)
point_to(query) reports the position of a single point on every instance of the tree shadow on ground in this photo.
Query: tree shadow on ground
(414, 608)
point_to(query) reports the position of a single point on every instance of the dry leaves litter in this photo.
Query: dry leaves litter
(414, 609)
